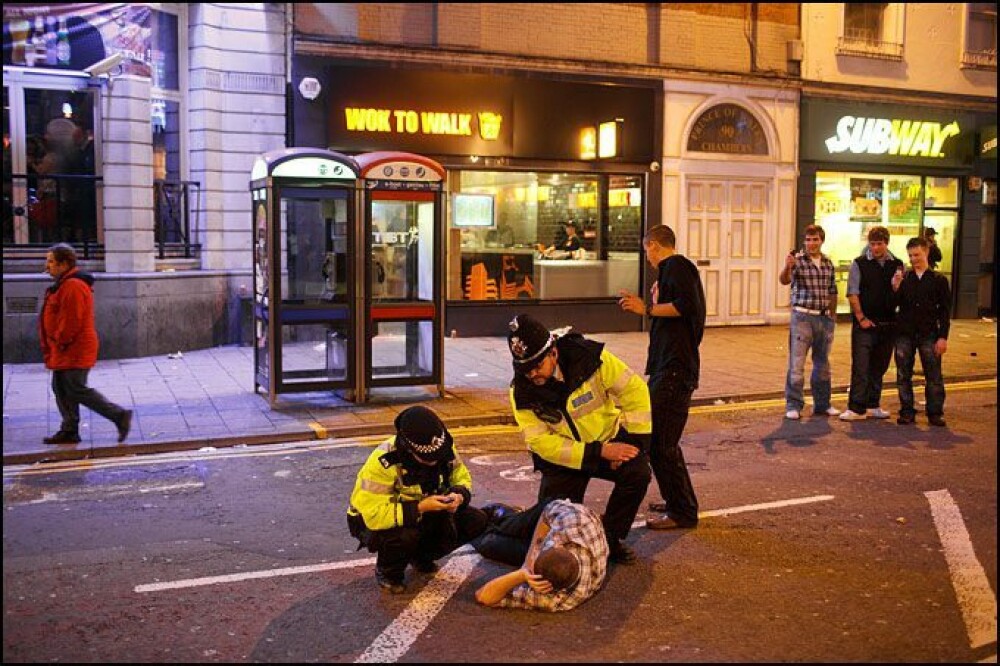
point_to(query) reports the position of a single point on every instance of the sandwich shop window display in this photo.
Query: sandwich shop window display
(848, 204)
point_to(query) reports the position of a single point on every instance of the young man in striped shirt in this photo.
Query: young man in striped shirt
(814, 318)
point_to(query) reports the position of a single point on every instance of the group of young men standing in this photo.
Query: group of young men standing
(583, 414)
(893, 311)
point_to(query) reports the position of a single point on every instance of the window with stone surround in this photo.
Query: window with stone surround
(872, 30)
(979, 50)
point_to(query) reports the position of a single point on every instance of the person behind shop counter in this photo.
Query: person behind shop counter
(570, 248)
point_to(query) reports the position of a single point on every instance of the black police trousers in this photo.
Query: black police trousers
(434, 536)
(631, 480)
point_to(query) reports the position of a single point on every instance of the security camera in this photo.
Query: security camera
(654, 166)
(104, 66)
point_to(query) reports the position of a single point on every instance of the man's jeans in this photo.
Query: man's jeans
(807, 332)
(871, 351)
(907, 348)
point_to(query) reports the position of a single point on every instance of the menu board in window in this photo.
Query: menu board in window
(866, 202)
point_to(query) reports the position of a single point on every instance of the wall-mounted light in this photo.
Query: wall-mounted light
(609, 138)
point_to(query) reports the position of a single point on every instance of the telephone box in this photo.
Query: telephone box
(403, 236)
(304, 230)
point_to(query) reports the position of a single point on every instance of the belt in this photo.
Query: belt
(799, 308)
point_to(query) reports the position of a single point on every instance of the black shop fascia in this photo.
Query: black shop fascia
(525, 154)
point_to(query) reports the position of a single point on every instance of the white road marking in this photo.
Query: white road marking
(397, 638)
(115, 490)
(972, 588)
(250, 575)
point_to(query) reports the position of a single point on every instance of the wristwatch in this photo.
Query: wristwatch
(649, 309)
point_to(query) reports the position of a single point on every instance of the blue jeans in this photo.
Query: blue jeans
(907, 348)
(807, 332)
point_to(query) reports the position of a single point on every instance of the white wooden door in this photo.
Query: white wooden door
(724, 236)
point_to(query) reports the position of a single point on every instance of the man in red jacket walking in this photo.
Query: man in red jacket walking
(69, 346)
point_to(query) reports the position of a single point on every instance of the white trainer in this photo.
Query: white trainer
(879, 413)
(832, 411)
(848, 415)
(793, 415)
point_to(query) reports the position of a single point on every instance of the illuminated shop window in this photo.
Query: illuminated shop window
(849, 204)
(508, 237)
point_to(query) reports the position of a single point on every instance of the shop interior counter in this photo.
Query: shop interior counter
(571, 278)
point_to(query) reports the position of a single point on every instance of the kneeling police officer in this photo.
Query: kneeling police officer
(410, 503)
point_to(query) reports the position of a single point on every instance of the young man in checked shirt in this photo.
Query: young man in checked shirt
(562, 552)
(814, 317)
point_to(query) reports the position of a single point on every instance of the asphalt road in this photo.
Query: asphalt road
(821, 541)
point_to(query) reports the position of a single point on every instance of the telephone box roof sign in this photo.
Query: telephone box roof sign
(398, 170)
(303, 163)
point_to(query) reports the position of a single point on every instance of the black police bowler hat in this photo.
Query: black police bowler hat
(420, 432)
(529, 340)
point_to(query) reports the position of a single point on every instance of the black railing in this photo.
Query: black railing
(175, 219)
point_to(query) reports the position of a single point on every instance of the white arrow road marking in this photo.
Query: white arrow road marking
(250, 575)
(397, 638)
(972, 587)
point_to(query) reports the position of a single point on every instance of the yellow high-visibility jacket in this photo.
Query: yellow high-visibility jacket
(612, 397)
(383, 502)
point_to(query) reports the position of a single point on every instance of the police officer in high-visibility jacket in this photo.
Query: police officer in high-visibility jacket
(583, 414)
(410, 503)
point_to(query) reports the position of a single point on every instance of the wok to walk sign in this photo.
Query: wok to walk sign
(486, 124)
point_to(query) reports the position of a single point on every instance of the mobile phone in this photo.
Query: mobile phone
(446, 500)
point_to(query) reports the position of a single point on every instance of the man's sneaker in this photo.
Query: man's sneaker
(124, 425)
(830, 411)
(63, 437)
(936, 420)
(879, 413)
(389, 584)
(619, 553)
(849, 415)
(906, 419)
(793, 415)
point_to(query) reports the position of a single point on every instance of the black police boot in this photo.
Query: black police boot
(391, 584)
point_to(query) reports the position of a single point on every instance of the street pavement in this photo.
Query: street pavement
(205, 398)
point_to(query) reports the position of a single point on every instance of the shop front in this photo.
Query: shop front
(905, 168)
(530, 161)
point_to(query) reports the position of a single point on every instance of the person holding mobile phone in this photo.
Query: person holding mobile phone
(873, 329)
(813, 322)
(924, 299)
(410, 503)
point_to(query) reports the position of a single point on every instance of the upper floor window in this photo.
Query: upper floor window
(873, 30)
(980, 49)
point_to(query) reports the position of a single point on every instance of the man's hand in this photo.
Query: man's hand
(537, 582)
(631, 303)
(940, 346)
(438, 503)
(790, 261)
(617, 452)
(897, 279)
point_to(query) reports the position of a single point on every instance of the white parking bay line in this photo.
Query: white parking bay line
(397, 638)
(972, 587)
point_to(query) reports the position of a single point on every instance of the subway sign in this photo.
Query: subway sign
(890, 134)
(882, 136)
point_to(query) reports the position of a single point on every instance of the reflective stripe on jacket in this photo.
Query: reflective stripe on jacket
(613, 397)
(382, 500)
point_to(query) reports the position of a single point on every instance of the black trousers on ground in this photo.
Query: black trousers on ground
(871, 351)
(71, 390)
(631, 480)
(670, 398)
(509, 539)
(437, 534)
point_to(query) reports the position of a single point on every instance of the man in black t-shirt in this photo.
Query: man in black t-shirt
(677, 311)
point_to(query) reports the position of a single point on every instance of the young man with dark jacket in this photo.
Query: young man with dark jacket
(873, 330)
(924, 319)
